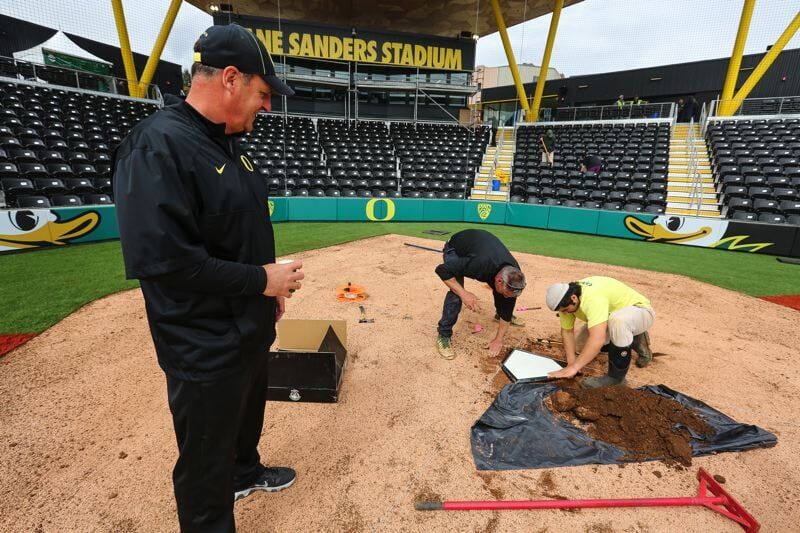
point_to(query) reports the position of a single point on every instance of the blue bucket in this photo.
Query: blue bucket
(495, 185)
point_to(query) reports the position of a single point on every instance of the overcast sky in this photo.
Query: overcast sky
(594, 35)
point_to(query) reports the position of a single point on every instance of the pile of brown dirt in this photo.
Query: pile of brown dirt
(641, 423)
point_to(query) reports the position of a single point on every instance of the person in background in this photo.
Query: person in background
(548, 143)
(697, 109)
(592, 163)
(681, 115)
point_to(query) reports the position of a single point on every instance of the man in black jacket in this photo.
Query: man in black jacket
(479, 255)
(195, 230)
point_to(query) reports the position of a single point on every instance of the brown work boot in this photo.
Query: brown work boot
(641, 345)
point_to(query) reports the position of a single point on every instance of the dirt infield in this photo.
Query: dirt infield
(86, 441)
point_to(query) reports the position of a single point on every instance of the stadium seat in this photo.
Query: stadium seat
(33, 202)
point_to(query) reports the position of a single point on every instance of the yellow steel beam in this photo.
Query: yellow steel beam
(736, 56)
(125, 47)
(158, 47)
(512, 62)
(764, 64)
(543, 69)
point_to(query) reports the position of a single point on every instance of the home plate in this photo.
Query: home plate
(522, 366)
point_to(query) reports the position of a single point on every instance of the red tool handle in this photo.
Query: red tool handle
(710, 494)
(568, 504)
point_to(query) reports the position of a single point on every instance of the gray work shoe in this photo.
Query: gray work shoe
(641, 345)
(445, 348)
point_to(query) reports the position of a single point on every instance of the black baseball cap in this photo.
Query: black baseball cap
(232, 45)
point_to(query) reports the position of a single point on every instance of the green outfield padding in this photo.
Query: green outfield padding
(48, 227)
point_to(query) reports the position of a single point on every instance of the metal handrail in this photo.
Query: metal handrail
(696, 194)
(115, 84)
(779, 105)
(703, 118)
(498, 146)
(614, 112)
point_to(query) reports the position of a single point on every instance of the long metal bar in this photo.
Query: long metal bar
(581, 504)
(738, 49)
(764, 64)
(416, 96)
(158, 47)
(512, 62)
(125, 47)
(545, 66)
(448, 113)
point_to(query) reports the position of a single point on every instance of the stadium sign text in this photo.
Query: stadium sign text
(344, 44)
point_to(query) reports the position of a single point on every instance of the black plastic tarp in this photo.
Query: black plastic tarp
(518, 431)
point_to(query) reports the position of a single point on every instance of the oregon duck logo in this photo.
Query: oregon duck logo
(674, 229)
(371, 207)
(245, 162)
(484, 210)
(708, 233)
(271, 206)
(33, 229)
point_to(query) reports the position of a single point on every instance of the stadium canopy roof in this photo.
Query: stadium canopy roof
(445, 18)
(57, 43)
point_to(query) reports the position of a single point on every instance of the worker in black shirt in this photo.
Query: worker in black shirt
(479, 255)
(195, 230)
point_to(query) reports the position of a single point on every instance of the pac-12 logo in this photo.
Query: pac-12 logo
(484, 210)
(373, 204)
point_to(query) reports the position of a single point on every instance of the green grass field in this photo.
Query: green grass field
(40, 288)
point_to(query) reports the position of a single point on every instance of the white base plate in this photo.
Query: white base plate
(525, 366)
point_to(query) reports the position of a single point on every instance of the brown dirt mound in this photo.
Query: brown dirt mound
(639, 422)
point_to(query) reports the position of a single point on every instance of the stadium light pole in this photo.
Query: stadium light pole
(765, 63)
(125, 47)
(512, 62)
(158, 47)
(736, 57)
(545, 66)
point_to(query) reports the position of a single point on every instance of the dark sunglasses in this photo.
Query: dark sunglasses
(515, 290)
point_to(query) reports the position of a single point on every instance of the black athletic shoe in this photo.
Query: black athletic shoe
(274, 479)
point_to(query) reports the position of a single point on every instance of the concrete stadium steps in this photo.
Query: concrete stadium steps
(704, 211)
(682, 196)
(482, 187)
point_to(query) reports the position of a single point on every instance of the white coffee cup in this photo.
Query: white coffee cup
(286, 262)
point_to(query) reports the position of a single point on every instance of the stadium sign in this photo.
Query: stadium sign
(363, 46)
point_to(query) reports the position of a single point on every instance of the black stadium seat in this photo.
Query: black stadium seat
(65, 200)
(33, 202)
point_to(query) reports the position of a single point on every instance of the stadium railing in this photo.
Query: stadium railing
(17, 70)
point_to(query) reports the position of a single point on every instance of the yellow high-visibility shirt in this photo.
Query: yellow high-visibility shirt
(601, 296)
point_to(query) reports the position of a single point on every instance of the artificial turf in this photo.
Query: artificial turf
(40, 288)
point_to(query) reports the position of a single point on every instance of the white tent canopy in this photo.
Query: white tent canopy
(57, 43)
